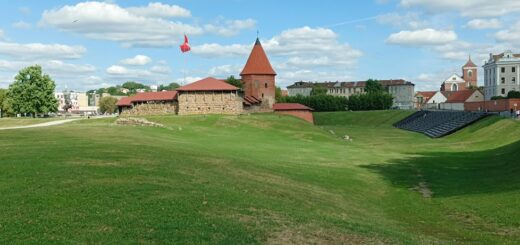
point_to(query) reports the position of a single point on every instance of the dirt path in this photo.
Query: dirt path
(45, 124)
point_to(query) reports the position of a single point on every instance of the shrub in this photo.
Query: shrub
(318, 102)
(370, 101)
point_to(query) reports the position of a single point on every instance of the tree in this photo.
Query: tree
(3, 99)
(277, 93)
(513, 95)
(373, 86)
(235, 82)
(318, 90)
(169, 87)
(32, 92)
(107, 104)
(370, 101)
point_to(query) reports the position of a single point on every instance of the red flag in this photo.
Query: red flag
(185, 47)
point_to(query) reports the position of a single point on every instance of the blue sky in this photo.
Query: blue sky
(85, 45)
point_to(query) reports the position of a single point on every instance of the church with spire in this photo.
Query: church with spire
(467, 81)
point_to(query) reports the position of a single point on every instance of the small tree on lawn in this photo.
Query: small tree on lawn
(32, 92)
(107, 104)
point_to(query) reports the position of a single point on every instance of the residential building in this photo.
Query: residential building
(402, 91)
(422, 97)
(501, 74)
(457, 99)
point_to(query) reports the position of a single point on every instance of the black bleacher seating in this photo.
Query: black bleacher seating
(436, 124)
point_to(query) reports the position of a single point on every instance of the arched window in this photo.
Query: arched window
(454, 87)
(470, 73)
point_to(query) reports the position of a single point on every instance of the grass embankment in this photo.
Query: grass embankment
(259, 179)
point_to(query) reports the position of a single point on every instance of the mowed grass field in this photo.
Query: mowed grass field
(13, 122)
(260, 179)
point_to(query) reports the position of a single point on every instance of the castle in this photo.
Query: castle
(211, 95)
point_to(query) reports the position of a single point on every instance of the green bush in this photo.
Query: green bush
(318, 102)
(513, 94)
(370, 101)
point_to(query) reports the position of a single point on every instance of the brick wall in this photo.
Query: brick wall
(303, 114)
(258, 85)
(493, 105)
(196, 103)
(151, 109)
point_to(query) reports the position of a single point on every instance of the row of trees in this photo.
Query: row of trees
(375, 98)
(132, 88)
(31, 93)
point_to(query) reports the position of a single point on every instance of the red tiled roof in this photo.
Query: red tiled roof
(208, 84)
(427, 94)
(290, 106)
(155, 96)
(460, 96)
(258, 63)
(125, 101)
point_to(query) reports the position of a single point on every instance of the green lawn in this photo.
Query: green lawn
(21, 121)
(260, 179)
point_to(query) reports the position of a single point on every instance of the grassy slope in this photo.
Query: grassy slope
(257, 179)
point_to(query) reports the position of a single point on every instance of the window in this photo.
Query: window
(265, 85)
(262, 95)
(454, 78)
(513, 69)
(503, 69)
(503, 79)
(503, 91)
(470, 73)
(513, 79)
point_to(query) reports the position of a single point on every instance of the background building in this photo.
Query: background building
(402, 91)
(501, 74)
(468, 80)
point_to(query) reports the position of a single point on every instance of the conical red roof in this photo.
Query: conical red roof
(470, 63)
(258, 63)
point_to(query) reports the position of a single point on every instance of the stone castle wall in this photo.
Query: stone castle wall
(196, 103)
(151, 109)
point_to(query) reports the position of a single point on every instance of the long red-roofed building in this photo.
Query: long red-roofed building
(295, 109)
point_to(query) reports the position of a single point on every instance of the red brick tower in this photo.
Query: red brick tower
(258, 77)
(469, 74)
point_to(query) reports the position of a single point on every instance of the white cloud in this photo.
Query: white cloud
(108, 21)
(22, 25)
(2, 35)
(480, 24)
(422, 37)
(188, 79)
(160, 10)
(117, 70)
(41, 51)
(214, 50)
(138, 60)
(472, 8)
(225, 70)
(510, 36)
(408, 20)
(162, 69)
(300, 53)
(230, 27)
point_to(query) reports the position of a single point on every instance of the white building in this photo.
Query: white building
(501, 74)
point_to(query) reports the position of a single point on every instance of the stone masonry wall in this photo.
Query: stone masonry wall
(196, 103)
(152, 109)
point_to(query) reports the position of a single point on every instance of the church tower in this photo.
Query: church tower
(469, 74)
(258, 77)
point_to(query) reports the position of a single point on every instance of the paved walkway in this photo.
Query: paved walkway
(45, 124)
